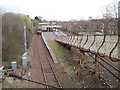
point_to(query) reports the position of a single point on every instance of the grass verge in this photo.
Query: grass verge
(64, 57)
(85, 74)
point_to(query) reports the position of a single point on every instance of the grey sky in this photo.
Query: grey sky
(58, 9)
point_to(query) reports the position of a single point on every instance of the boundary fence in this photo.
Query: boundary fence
(107, 46)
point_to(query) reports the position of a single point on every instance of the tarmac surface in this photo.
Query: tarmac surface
(52, 35)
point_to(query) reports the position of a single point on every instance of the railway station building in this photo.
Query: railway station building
(49, 27)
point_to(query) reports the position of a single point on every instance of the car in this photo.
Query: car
(99, 33)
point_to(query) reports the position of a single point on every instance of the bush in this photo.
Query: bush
(13, 35)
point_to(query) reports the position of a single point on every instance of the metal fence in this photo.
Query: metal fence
(107, 45)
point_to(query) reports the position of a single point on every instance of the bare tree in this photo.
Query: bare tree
(110, 19)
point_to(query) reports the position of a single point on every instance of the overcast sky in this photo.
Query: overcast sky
(58, 9)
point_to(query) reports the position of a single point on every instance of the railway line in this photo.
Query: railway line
(108, 71)
(46, 67)
(42, 71)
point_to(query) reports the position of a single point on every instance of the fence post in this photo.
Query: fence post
(81, 54)
(96, 57)
(97, 66)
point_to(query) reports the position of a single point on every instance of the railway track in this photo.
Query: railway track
(45, 61)
(107, 71)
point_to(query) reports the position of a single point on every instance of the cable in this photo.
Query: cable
(21, 78)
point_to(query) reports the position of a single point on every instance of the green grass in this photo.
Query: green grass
(56, 48)
(79, 73)
(63, 55)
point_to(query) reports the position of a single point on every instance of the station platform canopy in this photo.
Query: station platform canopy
(49, 25)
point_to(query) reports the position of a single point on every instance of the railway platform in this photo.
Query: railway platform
(51, 36)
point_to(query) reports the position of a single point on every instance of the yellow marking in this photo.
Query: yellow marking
(39, 31)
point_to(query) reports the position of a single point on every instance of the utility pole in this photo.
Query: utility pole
(119, 18)
(25, 43)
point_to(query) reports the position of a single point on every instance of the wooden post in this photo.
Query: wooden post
(97, 65)
(96, 57)
(81, 56)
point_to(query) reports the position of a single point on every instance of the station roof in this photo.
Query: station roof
(46, 23)
(51, 26)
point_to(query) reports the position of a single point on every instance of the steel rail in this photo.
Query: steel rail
(45, 78)
(50, 65)
(106, 68)
(52, 69)
(109, 64)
